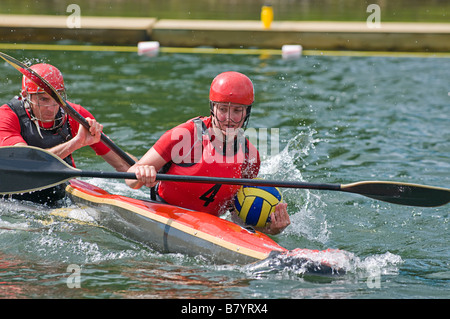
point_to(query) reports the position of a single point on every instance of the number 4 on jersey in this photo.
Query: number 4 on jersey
(208, 196)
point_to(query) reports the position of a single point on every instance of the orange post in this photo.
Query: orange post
(267, 16)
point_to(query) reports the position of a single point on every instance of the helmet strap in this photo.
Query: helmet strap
(211, 108)
(247, 117)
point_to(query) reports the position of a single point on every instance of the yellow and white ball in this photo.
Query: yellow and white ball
(254, 204)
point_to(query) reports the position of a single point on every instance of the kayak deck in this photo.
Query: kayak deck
(171, 229)
(168, 228)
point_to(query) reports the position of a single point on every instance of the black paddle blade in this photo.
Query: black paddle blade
(25, 169)
(401, 193)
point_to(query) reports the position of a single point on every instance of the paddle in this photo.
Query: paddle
(50, 90)
(26, 168)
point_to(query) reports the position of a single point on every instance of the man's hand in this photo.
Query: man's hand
(279, 220)
(86, 137)
(145, 175)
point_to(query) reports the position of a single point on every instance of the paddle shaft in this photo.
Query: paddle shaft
(27, 168)
(50, 90)
(206, 179)
(67, 174)
(105, 139)
(391, 192)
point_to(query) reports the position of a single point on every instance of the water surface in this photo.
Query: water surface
(340, 120)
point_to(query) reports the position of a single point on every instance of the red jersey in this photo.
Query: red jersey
(10, 130)
(191, 149)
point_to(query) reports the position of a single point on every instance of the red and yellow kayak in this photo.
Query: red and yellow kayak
(171, 229)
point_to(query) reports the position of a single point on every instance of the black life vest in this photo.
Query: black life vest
(30, 134)
(50, 138)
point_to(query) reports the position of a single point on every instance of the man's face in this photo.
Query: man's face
(230, 117)
(44, 107)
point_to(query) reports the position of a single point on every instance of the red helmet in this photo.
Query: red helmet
(233, 87)
(49, 73)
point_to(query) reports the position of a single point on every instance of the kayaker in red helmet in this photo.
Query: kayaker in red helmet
(35, 119)
(208, 146)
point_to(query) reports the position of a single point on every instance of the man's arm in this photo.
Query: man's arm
(83, 138)
(145, 169)
(9, 128)
(117, 162)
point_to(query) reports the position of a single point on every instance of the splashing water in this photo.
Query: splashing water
(31, 61)
(329, 262)
(309, 220)
(306, 208)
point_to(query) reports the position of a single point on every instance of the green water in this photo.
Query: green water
(341, 120)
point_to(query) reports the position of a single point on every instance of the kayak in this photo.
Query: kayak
(163, 227)
(171, 229)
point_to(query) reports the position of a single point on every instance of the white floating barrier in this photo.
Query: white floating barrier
(291, 51)
(148, 48)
